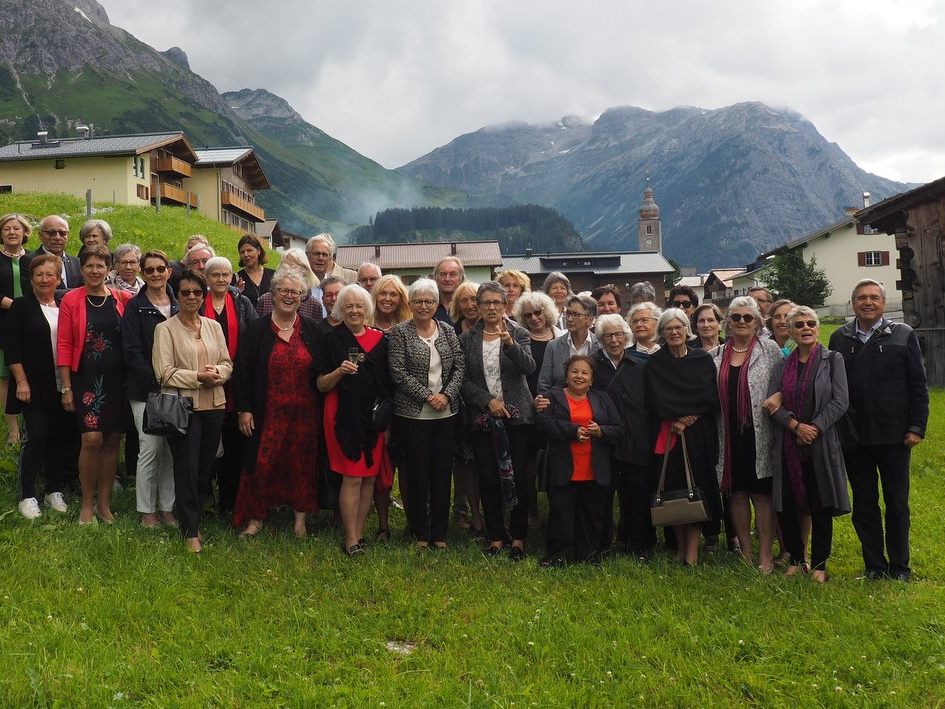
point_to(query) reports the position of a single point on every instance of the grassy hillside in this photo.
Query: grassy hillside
(143, 226)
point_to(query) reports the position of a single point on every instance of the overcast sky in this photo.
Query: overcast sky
(395, 79)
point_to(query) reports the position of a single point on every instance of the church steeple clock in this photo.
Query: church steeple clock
(649, 230)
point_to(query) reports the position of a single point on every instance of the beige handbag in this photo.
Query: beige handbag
(670, 507)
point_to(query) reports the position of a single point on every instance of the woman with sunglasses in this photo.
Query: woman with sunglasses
(809, 478)
(190, 357)
(154, 304)
(744, 364)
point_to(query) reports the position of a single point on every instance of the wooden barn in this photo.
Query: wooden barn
(917, 220)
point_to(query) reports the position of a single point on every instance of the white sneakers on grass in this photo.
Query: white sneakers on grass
(29, 508)
(56, 502)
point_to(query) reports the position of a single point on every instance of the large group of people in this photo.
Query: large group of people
(311, 386)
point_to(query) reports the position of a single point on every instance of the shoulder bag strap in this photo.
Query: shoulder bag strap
(690, 483)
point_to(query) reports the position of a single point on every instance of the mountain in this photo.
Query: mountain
(729, 182)
(63, 63)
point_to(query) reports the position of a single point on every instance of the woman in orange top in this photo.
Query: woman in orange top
(581, 427)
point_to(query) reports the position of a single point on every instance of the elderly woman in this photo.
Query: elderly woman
(537, 313)
(464, 309)
(14, 282)
(558, 288)
(31, 328)
(426, 366)
(309, 306)
(500, 410)
(233, 311)
(744, 365)
(642, 319)
(515, 283)
(778, 325)
(682, 398)
(95, 232)
(154, 304)
(278, 414)
(809, 473)
(91, 368)
(353, 375)
(254, 278)
(708, 321)
(191, 357)
(579, 339)
(391, 304)
(581, 426)
(621, 376)
(124, 276)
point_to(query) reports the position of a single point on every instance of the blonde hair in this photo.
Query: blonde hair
(403, 310)
(462, 289)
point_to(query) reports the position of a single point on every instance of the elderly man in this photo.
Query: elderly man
(321, 250)
(448, 273)
(54, 233)
(197, 256)
(579, 313)
(763, 297)
(368, 275)
(889, 409)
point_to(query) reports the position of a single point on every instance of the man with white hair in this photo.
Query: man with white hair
(321, 250)
(54, 233)
(369, 274)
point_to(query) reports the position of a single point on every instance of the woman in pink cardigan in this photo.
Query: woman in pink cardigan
(92, 378)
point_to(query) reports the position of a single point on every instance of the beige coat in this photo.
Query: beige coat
(174, 357)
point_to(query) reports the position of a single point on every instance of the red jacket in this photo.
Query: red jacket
(71, 338)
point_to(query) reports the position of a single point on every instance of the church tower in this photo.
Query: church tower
(649, 230)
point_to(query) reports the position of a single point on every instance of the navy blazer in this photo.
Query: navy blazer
(73, 269)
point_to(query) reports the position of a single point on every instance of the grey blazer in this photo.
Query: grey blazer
(408, 359)
(515, 361)
(556, 354)
(831, 400)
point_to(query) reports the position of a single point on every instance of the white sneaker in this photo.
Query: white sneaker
(29, 508)
(56, 502)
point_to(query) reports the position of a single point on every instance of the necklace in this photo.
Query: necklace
(194, 330)
(735, 349)
(284, 329)
(21, 252)
(89, 296)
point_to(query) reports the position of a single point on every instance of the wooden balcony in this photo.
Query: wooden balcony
(170, 165)
(175, 195)
(248, 209)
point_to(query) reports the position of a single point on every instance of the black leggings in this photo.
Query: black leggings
(821, 536)
(490, 487)
(51, 437)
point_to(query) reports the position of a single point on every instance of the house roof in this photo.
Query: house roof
(723, 275)
(242, 154)
(420, 255)
(816, 234)
(601, 263)
(271, 230)
(135, 144)
(886, 215)
(691, 281)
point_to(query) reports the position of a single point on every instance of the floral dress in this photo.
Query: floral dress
(99, 385)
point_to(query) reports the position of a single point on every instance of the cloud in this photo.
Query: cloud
(395, 79)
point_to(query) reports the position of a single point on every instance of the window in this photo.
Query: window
(142, 192)
(872, 258)
(6, 189)
(134, 167)
(649, 228)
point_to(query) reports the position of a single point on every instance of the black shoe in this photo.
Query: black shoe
(516, 553)
(874, 575)
(550, 562)
(904, 576)
(493, 551)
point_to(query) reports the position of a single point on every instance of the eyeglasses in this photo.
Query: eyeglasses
(674, 328)
(288, 291)
(684, 304)
(491, 304)
(186, 292)
(640, 321)
(56, 232)
(613, 335)
(319, 254)
(128, 264)
(424, 302)
(533, 314)
(738, 317)
(221, 274)
(574, 314)
(155, 269)
(798, 324)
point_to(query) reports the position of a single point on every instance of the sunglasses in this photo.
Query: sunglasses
(184, 292)
(798, 324)
(738, 317)
(155, 269)
(56, 232)
(684, 304)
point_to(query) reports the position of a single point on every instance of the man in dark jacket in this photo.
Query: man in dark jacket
(54, 233)
(889, 408)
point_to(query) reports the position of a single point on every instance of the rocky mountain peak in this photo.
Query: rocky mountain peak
(259, 103)
(91, 10)
(178, 56)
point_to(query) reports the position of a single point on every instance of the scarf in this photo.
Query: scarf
(495, 425)
(798, 397)
(232, 324)
(743, 404)
(357, 395)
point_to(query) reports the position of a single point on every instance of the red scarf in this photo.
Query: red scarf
(743, 404)
(232, 325)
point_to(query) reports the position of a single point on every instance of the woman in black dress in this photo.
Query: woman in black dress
(253, 278)
(14, 282)
(682, 396)
(89, 358)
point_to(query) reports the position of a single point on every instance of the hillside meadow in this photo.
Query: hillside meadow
(121, 616)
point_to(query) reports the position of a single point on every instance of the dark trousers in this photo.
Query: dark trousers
(892, 462)
(490, 487)
(635, 487)
(131, 450)
(821, 532)
(229, 466)
(427, 449)
(576, 517)
(193, 460)
(50, 436)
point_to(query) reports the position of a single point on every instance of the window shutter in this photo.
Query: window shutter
(861, 258)
(884, 255)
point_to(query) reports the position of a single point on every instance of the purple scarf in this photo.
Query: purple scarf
(798, 395)
(743, 403)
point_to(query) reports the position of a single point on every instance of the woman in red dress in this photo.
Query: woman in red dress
(278, 410)
(352, 366)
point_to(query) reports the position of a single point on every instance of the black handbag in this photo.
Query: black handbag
(382, 414)
(671, 507)
(167, 414)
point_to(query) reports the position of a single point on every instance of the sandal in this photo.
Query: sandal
(353, 550)
(252, 529)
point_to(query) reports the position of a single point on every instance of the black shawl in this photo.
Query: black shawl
(681, 386)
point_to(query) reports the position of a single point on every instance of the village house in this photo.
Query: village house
(481, 259)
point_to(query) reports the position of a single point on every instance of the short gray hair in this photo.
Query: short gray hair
(746, 301)
(589, 304)
(422, 286)
(802, 311)
(368, 264)
(101, 224)
(535, 300)
(353, 290)
(491, 287)
(609, 320)
(643, 289)
(127, 249)
(217, 262)
(194, 249)
(652, 307)
(556, 277)
(285, 272)
(327, 238)
(455, 259)
(868, 282)
(673, 314)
